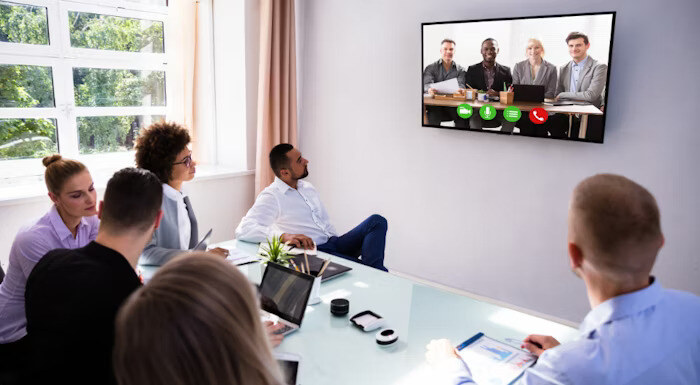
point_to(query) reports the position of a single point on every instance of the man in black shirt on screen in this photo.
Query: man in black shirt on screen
(73, 296)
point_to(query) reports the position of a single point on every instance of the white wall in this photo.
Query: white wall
(219, 202)
(482, 212)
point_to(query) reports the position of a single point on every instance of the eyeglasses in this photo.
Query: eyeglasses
(187, 161)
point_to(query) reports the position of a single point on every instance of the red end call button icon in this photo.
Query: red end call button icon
(538, 115)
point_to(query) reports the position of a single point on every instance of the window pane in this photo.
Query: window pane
(91, 30)
(111, 133)
(25, 86)
(117, 88)
(23, 24)
(27, 138)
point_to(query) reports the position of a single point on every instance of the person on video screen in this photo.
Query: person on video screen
(490, 77)
(443, 69)
(534, 70)
(581, 79)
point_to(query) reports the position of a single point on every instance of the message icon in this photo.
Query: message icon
(512, 114)
(538, 115)
(487, 112)
(464, 111)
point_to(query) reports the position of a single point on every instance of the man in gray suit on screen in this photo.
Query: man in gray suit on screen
(581, 79)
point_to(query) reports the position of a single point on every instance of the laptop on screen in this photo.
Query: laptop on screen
(528, 93)
(285, 293)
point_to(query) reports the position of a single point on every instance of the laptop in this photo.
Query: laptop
(285, 293)
(315, 263)
(528, 93)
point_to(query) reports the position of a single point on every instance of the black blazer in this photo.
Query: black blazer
(475, 77)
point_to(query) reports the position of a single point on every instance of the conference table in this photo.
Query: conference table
(334, 351)
(571, 110)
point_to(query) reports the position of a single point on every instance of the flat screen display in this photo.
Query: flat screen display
(544, 76)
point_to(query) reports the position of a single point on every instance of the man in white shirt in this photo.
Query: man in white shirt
(291, 208)
(637, 332)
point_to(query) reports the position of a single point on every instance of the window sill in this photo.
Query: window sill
(32, 188)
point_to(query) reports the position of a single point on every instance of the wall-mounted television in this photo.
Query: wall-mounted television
(543, 76)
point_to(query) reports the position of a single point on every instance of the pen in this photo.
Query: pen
(306, 259)
(323, 268)
(294, 264)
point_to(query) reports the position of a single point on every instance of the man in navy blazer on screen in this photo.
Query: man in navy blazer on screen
(489, 76)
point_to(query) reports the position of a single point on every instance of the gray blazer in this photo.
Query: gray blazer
(546, 76)
(165, 243)
(591, 82)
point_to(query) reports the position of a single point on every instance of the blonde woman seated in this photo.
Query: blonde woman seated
(535, 71)
(196, 322)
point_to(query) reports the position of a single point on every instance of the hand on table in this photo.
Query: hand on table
(219, 251)
(298, 240)
(546, 342)
(432, 91)
(440, 351)
(270, 328)
(491, 92)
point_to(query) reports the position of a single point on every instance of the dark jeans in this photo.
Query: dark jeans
(367, 239)
(13, 361)
(437, 114)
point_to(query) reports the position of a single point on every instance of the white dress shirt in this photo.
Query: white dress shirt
(647, 337)
(183, 219)
(281, 209)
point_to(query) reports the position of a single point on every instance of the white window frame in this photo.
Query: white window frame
(62, 58)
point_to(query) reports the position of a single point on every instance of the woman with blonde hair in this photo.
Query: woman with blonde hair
(196, 322)
(535, 71)
(70, 223)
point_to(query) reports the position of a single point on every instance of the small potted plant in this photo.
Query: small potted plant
(274, 251)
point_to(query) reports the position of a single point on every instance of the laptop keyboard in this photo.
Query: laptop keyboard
(283, 329)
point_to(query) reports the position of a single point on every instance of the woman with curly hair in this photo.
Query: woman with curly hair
(162, 149)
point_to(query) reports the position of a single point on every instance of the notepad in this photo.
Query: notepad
(494, 362)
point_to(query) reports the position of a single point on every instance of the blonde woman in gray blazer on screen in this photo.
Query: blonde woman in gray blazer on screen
(162, 149)
(535, 71)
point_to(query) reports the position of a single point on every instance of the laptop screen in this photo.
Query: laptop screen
(285, 292)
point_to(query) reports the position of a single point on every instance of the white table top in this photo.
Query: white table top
(335, 352)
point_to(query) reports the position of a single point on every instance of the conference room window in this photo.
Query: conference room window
(79, 78)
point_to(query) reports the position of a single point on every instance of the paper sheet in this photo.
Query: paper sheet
(449, 86)
(238, 257)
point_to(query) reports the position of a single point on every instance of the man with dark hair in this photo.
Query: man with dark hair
(582, 79)
(72, 296)
(443, 69)
(489, 76)
(637, 332)
(291, 209)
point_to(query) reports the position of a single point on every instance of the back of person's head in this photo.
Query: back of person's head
(132, 201)
(618, 222)
(279, 158)
(196, 322)
(157, 147)
(59, 170)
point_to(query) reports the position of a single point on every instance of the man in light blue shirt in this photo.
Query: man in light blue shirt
(637, 332)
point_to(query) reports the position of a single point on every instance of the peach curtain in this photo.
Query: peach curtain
(181, 50)
(277, 87)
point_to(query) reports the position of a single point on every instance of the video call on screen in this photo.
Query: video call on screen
(519, 76)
